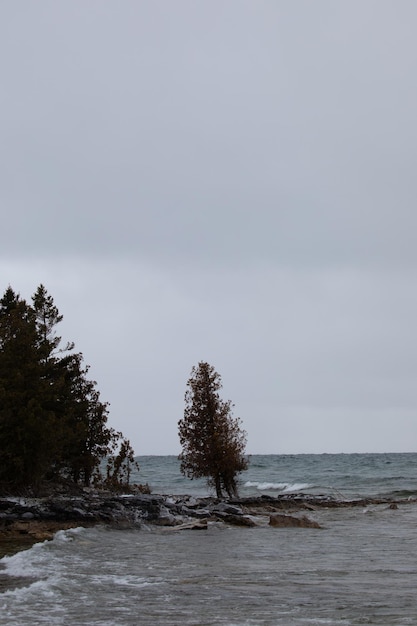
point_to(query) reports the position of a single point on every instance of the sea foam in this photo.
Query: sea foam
(35, 561)
(23, 563)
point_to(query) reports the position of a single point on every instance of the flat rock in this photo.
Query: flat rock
(33, 530)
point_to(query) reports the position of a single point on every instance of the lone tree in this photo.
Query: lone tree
(212, 440)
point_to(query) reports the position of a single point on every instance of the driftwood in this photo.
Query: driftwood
(195, 525)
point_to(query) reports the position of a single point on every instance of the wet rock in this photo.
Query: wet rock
(166, 518)
(191, 502)
(199, 513)
(238, 520)
(224, 507)
(289, 521)
(28, 515)
(133, 510)
(34, 529)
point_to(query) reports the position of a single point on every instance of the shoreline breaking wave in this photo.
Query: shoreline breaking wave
(282, 487)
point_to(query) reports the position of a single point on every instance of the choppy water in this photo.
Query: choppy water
(340, 475)
(361, 568)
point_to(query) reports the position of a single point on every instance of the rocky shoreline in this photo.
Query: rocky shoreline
(38, 519)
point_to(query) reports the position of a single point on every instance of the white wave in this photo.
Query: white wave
(297, 487)
(27, 562)
(37, 563)
(36, 589)
(124, 581)
(67, 535)
(22, 563)
(283, 487)
(266, 486)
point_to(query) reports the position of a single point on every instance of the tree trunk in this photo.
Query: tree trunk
(230, 485)
(218, 485)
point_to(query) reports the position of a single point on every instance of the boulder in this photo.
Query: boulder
(238, 520)
(289, 521)
(166, 518)
(146, 506)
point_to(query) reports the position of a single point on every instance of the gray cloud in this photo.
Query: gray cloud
(223, 181)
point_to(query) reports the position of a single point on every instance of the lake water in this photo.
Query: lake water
(360, 568)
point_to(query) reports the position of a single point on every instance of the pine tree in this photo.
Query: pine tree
(87, 438)
(47, 318)
(24, 423)
(52, 421)
(212, 440)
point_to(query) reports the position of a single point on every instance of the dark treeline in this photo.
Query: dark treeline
(53, 425)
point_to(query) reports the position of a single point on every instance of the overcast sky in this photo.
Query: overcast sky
(227, 181)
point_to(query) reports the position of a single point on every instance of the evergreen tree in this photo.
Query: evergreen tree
(212, 440)
(24, 423)
(47, 318)
(88, 439)
(52, 421)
